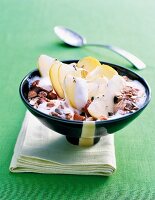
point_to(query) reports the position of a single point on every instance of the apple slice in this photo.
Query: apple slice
(66, 69)
(76, 91)
(115, 85)
(88, 63)
(101, 71)
(58, 72)
(71, 69)
(54, 77)
(103, 104)
(98, 107)
(108, 71)
(95, 74)
(97, 87)
(44, 64)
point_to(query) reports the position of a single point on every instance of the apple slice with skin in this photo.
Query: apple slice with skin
(88, 63)
(66, 69)
(58, 73)
(54, 77)
(101, 71)
(76, 91)
(71, 69)
(95, 74)
(44, 65)
(108, 71)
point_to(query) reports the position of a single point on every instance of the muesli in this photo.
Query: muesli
(87, 90)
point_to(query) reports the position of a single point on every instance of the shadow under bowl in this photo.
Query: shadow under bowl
(77, 132)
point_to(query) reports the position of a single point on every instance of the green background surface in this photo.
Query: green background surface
(26, 31)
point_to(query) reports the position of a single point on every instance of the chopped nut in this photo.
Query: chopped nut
(126, 78)
(51, 95)
(128, 106)
(119, 106)
(85, 109)
(32, 94)
(129, 95)
(68, 116)
(55, 114)
(127, 89)
(102, 118)
(40, 100)
(37, 89)
(122, 112)
(61, 106)
(79, 117)
(33, 101)
(50, 104)
(135, 107)
(42, 94)
(35, 83)
(90, 119)
(66, 105)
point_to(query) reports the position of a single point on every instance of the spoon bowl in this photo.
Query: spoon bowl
(69, 37)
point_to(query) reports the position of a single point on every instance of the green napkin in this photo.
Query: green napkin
(41, 150)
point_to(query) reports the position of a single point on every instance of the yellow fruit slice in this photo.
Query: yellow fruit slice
(108, 71)
(54, 77)
(103, 104)
(64, 69)
(101, 71)
(97, 87)
(95, 74)
(71, 69)
(98, 108)
(80, 72)
(59, 71)
(88, 63)
(69, 89)
(44, 65)
(76, 91)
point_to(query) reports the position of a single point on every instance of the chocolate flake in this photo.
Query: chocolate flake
(32, 94)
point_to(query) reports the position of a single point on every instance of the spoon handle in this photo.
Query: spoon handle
(128, 56)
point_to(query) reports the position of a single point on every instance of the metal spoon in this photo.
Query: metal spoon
(74, 39)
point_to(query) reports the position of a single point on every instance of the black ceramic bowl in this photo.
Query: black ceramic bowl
(79, 132)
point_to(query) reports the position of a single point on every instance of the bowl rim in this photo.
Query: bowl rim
(147, 87)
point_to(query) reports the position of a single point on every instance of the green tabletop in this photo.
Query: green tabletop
(26, 31)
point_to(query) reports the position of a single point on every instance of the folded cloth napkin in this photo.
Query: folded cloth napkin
(41, 150)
